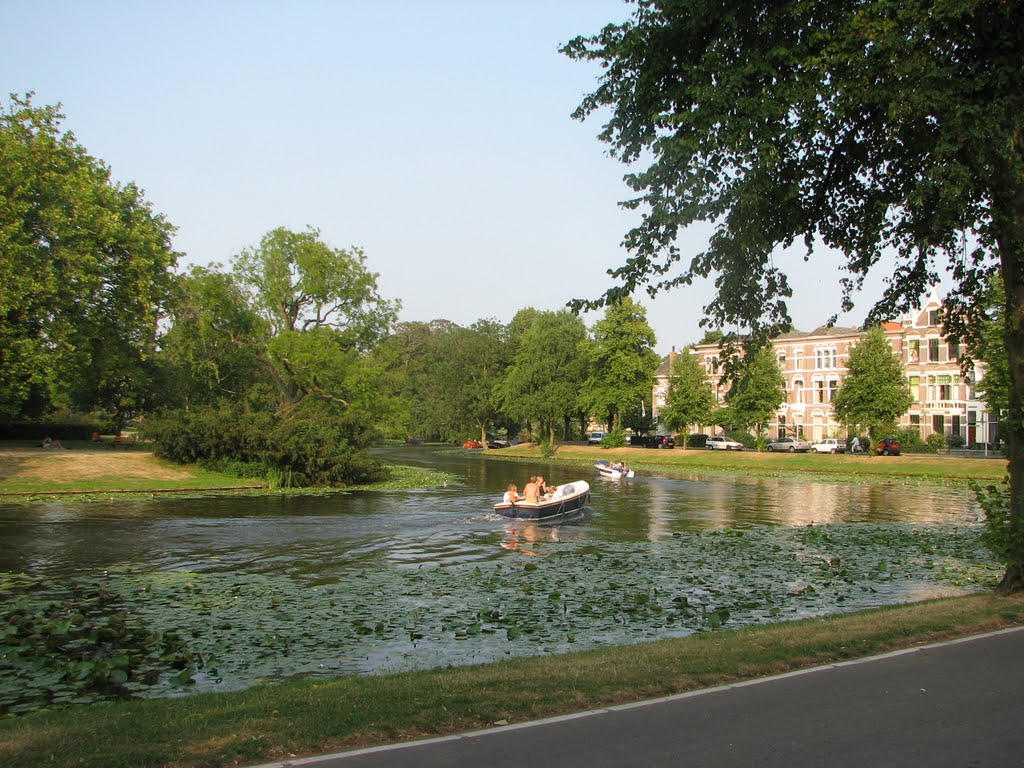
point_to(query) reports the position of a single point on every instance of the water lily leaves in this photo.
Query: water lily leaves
(164, 631)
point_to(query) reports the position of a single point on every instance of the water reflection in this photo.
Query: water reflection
(322, 536)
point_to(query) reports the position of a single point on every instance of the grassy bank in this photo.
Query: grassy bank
(29, 473)
(310, 717)
(697, 462)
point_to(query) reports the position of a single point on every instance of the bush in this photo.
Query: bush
(697, 441)
(291, 453)
(911, 442)
(740, 436)
(616, 439)
(936, 441)
(955, 440)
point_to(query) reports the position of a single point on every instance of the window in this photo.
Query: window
(825, 358)
(933, 317)
(939, 424)
(833, 388)
(915, 350)
(915, 420)
(819, 391)
(954, 350)
(933, 350)
(915, 381)
(945, 391)
(782, 361)
(798, 391)
(782, 426)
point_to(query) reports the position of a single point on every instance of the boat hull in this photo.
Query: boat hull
(606, 469)
(572, 498)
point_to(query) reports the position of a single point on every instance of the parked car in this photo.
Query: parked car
(829, 445)
(888, 446)
(722, 443)
(657, 441)
(790, 444)
(595, 438)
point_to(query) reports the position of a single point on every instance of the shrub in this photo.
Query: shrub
(741, 436)
(697, 441)
(911, 442)
(293, 452)
(955, 440)
(616, 439)
(936, 441)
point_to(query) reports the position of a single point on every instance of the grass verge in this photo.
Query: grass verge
(277, 722)
(701, 463)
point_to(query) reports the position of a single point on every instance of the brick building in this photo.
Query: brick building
(813, 365)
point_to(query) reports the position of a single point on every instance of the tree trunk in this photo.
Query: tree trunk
(1008, 220)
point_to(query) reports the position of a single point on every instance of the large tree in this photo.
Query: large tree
(84, 271)
(622, 362)
(325, 313)
(868, 126)
(689, 399)
(756, 392)
(874, 393)
(543, 382)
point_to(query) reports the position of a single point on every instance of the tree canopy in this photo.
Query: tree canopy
(85, 265)
(759, 390)
(689, 399)
(874, 393)
(542, 384)
(869, 127)
(622, 362)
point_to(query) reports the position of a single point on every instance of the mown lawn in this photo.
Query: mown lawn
(695, 461)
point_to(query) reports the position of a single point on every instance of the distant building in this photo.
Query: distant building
(813, 365)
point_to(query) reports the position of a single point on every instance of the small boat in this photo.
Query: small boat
(567, 499)
(610, 470)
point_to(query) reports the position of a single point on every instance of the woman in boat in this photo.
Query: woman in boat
(511, 495)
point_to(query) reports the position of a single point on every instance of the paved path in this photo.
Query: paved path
(953, 704)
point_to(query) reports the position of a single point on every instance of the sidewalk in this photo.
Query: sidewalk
(951, 704)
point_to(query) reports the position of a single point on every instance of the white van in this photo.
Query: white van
(595, 438)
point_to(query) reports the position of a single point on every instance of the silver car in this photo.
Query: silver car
(790, 444)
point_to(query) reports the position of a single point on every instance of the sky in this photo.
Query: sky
(437, 136)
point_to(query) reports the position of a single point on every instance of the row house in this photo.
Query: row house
(813, 365)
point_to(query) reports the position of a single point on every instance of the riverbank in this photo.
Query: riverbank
(29, 473)
(307, 717)
(696, 462)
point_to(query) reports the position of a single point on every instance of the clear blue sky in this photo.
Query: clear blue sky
(436, 135)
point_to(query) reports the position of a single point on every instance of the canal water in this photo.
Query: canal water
(265, 588)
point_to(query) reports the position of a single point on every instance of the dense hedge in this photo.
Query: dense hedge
(59, 430)
(291, 453)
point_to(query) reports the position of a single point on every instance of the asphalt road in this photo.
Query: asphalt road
(954, 704)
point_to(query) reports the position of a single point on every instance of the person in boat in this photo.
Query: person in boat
(542, 487)
(550, 492)
(511, 495)
(531, 493)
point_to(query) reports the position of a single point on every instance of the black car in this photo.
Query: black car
(888, 446)
(658, 441)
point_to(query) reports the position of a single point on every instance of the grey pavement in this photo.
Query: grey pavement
(950, 704)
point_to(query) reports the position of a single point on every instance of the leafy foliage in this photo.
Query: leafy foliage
(759, 390)
(292, 452)
(874, 393)
(690, 399)
(84, 270)
(873, 128)
(542, 384)
(622, 362)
